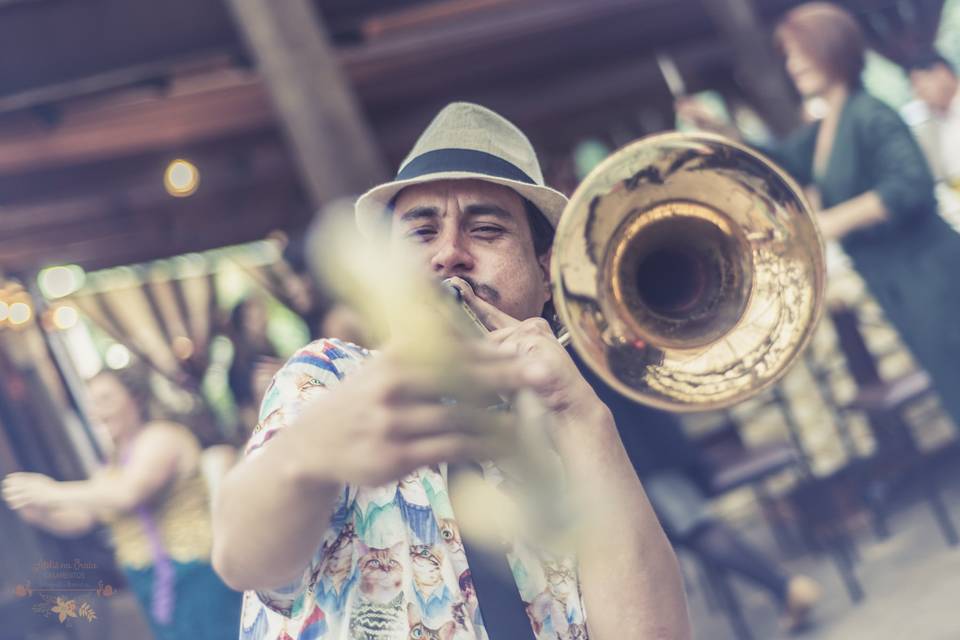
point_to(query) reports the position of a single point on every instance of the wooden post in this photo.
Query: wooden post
(758, 71)
(334, 148)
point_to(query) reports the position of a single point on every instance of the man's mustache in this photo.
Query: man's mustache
(483, 291)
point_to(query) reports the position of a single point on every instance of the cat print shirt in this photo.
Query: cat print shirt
(391, 565)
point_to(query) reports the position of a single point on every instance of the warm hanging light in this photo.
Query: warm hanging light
(20, 313)
(57, 282)
(181, 178)
(65, 317)
(117, 356)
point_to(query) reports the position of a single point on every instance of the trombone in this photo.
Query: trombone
(688, 271)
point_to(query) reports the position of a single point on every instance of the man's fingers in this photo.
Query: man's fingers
(491, 317)
(430, 420)
(454, 447)
(529, 332)
(472, 382)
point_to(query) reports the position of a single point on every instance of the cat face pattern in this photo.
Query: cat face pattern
(381, 572)
(427, 562)
(450, 534)
(379, 613)
(419, 631)
(422, 591)
(336, 573)
(556, 611)
(307, 385)
(393, 568)
(429, 588)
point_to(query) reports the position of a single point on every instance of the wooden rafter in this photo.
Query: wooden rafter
(335, 151)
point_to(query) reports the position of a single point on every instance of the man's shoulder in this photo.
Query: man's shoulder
(319, 365)
(328, 350)
(325, 357)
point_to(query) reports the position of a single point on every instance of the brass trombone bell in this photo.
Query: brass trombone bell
(688, 271)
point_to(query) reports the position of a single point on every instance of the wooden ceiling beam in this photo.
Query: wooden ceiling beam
(223, 163)
(152, 125)
(139, 41)
(154, 72)
(527, 41)
(182, 226)
(369, 66)
(334, 149)
(54, 43)
(244, 108)
(138, 187)
(538, 104)
(161, 124)
(760, 73)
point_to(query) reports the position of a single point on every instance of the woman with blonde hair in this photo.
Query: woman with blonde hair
(154, 497)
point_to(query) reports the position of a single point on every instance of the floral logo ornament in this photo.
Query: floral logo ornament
(86, 611)
(66, 609)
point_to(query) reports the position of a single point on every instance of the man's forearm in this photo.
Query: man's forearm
(269, 515)
(628, 571)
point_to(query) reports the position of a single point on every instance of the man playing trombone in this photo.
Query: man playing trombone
(338, 523)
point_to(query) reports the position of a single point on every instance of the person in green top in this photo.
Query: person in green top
(873, 188)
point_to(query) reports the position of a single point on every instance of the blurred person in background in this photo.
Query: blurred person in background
(344, 323)
(873, 188)
(154, 498)
(255, 359)
(935, 84)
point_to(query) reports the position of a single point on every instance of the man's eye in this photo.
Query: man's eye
(421, 233)
(488, 230)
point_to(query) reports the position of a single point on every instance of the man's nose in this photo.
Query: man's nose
(451, 256)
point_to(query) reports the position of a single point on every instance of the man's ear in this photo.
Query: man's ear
(544, 262)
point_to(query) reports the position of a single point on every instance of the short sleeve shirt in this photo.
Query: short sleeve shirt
(391, 565)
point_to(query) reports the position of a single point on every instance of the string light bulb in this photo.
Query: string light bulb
(20, 313)
(57, 282)
(65, 317)
(181, 179)
(117, 356)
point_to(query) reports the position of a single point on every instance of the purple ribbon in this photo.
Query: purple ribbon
(162, 598)
(161, 605)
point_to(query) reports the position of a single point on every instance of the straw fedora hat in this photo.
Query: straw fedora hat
(465, 141)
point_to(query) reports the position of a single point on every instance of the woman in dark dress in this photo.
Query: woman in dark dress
(876, 192)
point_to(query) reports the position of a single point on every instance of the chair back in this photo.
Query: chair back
(860, 361)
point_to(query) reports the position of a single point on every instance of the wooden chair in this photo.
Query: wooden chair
(884, 402)
(729, 464)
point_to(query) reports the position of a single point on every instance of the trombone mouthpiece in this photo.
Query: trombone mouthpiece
(449, 286)
(453, 287)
